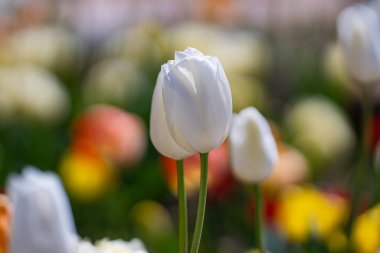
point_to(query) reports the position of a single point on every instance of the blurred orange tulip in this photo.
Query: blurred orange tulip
(291, 168)
(219, 180)
(119, 135)
(5, 225)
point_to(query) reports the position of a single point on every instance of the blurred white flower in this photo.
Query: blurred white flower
(238, 51)
(49, 47)
(120, 246)
(359, 34)
(115, 80)
(111, 246)
(246, 91)
(287, 15)
(320, 129)
(88, 247)
(141, 44)
(336, 70)
(42, 221)
(31, 92)
(252, 146)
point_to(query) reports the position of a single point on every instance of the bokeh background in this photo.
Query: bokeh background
(76, 80)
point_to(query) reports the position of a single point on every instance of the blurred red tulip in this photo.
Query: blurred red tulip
(219, 177)
(119, 135)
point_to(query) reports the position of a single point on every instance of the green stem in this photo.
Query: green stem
(182, 208)
(259, 234)
(201, 204)
(364, 162)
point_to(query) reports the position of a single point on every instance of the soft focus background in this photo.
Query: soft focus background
(76, 80)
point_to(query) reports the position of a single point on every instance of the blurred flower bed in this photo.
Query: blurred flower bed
(76, 82)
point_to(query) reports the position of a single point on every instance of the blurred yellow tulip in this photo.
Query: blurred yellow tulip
(366, 231)
(86, 174)
(305, 211)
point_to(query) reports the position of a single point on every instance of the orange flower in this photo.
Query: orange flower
(119, 135)
(291, 168)
(219, 172)
(5, 213)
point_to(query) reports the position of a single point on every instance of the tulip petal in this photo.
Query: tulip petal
(159, 132)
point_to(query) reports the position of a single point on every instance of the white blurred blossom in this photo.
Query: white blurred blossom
(141, 44)
(239, 51)
(335, 68)
(49, 47)
(112, 246)
(120, 246)
(359, 34)
(320, 128)
(113, 80)
(32, 93)
(42, 221)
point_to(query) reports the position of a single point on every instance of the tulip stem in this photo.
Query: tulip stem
(183, 234)
(259, 234)
(364, 164)
(201, 204)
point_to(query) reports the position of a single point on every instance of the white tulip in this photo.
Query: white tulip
(252, 146)
(42, 221)
(197, 101)
(359, 34)
(159, 132)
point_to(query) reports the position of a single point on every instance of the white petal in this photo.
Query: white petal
(159, 132)
(193, 52)
(179, 56)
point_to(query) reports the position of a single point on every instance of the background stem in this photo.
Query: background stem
(201, 204)
(183, 233)
(259, 235)
(364, 162)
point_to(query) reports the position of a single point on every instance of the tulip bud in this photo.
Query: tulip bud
(252, 146)
(359, 34)
(42, 221)
(197, 101)
(159, 131)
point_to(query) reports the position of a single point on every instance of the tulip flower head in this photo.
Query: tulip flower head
(42, 221)
(192, 105)
(252, 146)
(359, 34)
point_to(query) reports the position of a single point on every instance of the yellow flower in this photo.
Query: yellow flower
(366, 231)
(305, 211)
(86, 174)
